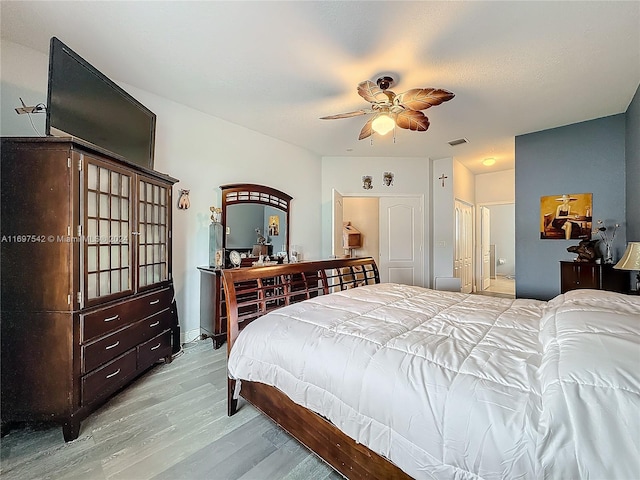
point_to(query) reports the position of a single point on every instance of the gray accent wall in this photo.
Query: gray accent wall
(633, 168)
(587, 157)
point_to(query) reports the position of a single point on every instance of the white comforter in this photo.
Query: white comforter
(449, 385)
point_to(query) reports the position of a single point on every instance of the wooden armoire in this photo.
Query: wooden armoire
(87, 292)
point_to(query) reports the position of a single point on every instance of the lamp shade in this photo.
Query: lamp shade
(383, 124)
(631, 258)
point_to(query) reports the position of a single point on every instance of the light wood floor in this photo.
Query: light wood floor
(170, 424)
(501, 286)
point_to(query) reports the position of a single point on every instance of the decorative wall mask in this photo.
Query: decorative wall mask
(184, 203)
(367, 182)
(387, 179)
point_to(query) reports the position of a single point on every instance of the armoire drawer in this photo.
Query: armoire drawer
(153, 325)
(101, 351)
(111, 318)
(153, 350)
(109, 378)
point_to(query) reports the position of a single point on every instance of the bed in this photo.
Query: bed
(394, 381)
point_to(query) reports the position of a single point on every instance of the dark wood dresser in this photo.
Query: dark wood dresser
(574, 275)
(87, 293)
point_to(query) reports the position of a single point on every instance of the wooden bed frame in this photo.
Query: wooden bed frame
(252, 292)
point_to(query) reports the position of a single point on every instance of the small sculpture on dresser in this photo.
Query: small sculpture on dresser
(586, 250)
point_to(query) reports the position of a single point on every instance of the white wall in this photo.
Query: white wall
(23, 72)
(494, 188)
(411, 177)
(464, 183)
(443, 239)
(203, 152)
(459, 183)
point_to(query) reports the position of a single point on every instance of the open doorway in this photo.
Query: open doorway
(497, 245)
(392, 233)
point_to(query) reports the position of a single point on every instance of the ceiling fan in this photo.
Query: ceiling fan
(391, 110)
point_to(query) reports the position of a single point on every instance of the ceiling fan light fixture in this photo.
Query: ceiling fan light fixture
(383, 124)
(403, 110)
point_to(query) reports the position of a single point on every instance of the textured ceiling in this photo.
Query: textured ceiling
(276, 67)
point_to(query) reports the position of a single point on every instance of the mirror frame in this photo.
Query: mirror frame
(243, 193)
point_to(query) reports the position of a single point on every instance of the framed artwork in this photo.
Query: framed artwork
(566, 216)
(274, 225)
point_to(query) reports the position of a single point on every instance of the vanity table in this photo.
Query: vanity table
(245, 208)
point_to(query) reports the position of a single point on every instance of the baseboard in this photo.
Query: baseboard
(189, 336)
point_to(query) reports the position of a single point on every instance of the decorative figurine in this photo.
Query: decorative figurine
(215, 214)
(183, 202)
(261, 240)
(586, 250)
(235, 258)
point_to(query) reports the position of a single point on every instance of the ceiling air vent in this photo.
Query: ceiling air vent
(459, 141)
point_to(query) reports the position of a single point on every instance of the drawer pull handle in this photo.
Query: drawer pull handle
(111, 318)
(154, 302)
(111, 346)
(154, 324)
(113, 374)
(156, 347)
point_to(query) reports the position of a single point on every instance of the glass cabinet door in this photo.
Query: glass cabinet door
(153, 232)
(106, 230)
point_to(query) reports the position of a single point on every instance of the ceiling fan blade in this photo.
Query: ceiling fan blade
(366, 131)
(412, 120)
(421, 98)
(347, 115)
(372, 93)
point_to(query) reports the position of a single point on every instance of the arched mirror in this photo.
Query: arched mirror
(255, 221)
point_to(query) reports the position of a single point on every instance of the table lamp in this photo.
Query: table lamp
(631, 261)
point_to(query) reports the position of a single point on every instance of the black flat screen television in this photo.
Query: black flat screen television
(84, 103)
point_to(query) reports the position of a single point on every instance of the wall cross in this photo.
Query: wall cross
(442, 177)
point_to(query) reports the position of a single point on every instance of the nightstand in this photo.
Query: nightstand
(574, 275)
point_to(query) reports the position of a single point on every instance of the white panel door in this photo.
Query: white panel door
(401, 238)
(463, 255)
(336, 223)
(485, 246)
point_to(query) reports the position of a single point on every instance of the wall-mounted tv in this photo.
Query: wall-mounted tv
(84, 103)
